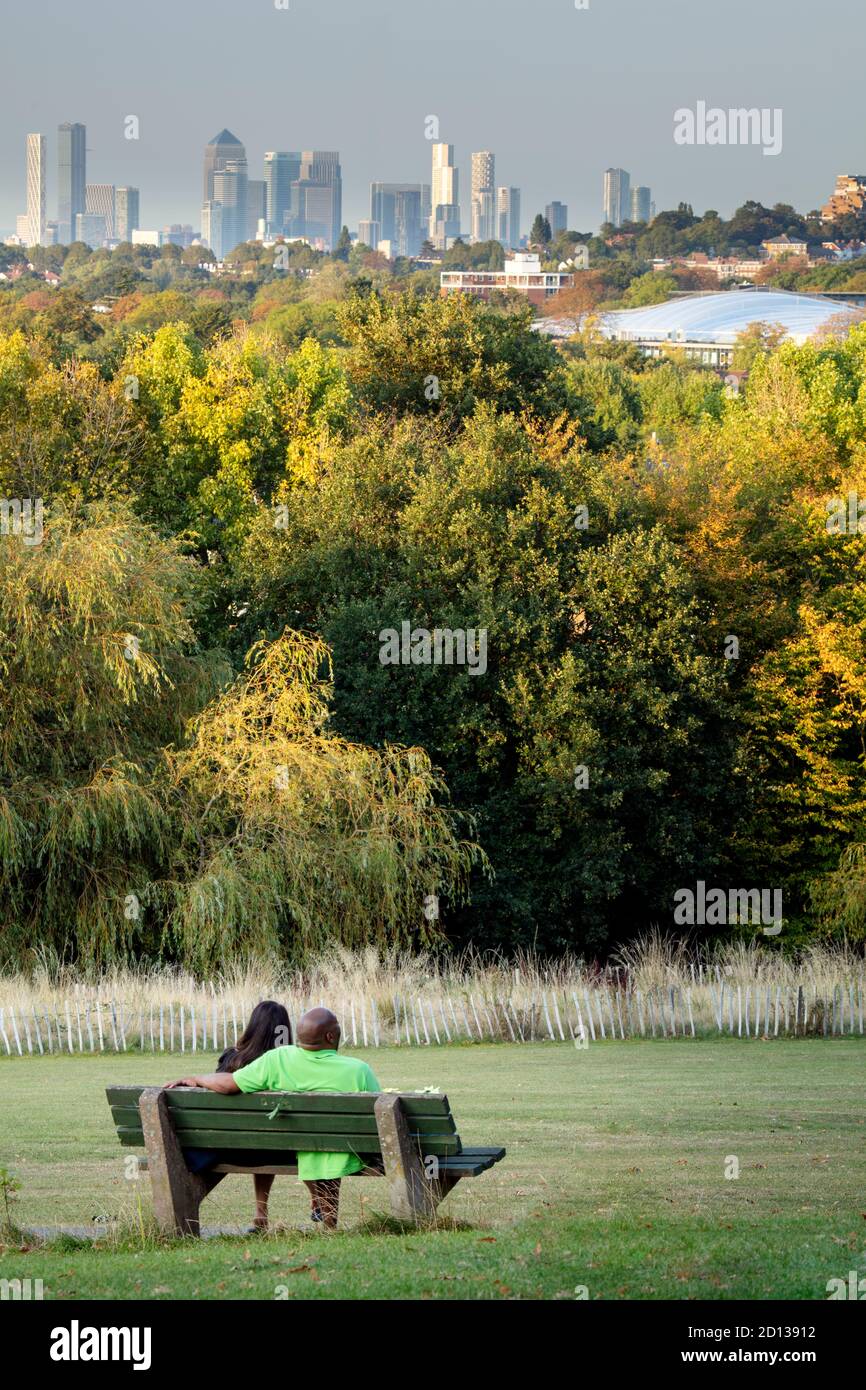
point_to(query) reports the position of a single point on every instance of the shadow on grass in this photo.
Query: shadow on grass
(381, 1223)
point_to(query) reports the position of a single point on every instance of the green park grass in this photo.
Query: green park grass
(614, 1180)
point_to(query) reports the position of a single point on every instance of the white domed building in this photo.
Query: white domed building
(706, 325)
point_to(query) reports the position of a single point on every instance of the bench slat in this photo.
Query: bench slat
(127, 1116)
(329, 1102)
(470, 1162)
(308, 1143)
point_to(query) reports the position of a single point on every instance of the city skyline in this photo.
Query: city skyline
(600, 92)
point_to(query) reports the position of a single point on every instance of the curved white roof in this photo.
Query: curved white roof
(719, 317)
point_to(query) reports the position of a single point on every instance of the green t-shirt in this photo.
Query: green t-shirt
(295, 1069)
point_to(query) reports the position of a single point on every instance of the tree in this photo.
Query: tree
(122, 834)
(413, 354)
(591, 648)
(344, 245)
(540, 234)
(99, 670)
(651, 288)
(65, 433)
(296, 838)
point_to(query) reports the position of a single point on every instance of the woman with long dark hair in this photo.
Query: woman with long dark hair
(269, 1026)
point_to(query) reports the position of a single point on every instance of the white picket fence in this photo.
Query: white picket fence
(88, 1022)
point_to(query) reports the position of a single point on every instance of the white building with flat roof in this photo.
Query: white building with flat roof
(522, 272)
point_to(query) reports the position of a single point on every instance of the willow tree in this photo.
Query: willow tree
(99, 670)
(293, 837)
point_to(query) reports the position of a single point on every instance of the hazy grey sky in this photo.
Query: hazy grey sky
(557, 93)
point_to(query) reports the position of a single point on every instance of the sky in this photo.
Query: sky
(557, 92)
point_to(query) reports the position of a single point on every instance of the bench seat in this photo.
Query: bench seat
(410, 1138)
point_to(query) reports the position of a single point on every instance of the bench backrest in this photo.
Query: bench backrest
(329, 1121)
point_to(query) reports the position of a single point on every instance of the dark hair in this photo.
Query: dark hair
(269, 1027)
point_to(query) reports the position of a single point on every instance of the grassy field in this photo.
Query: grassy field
(614, 1180)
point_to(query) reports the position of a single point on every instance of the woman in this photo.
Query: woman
(269, 1027)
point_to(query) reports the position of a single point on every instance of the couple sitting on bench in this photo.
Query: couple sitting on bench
(264, 1059)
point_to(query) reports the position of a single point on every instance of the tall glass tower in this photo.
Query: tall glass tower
(71, 179)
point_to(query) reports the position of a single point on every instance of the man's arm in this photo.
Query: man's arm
(221, 1081)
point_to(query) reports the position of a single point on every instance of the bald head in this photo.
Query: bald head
(318, 1030)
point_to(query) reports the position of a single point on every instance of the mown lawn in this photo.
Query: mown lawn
(614, 1180)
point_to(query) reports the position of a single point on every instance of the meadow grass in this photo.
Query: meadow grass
(614, 1180)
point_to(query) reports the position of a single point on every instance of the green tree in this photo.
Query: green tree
(540, 233)
(430, 356)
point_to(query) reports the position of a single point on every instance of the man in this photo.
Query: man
(311, 1065)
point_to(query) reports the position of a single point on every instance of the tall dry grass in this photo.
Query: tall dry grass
(436, 997)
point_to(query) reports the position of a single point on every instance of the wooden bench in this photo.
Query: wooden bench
(412, 1135)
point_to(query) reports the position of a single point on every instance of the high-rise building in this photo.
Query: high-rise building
(641, 204)
(257, 207)
(444, 191)
(484, 215)
(508, 216)
(557, 216)
(126, 212)
(230, 189)
(444, 225)
(177, 234)
(369, 232)
(317, 198)
(402, 211)
(617, 202)
(282, 169)
(36, 174)
(483, 196)
(221, 149)
(71, 178)
(212, 227)
(99, 199)
(91, 228)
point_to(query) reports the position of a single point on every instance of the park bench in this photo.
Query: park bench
(412, 1136)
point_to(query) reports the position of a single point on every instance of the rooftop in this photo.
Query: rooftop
(715, 317)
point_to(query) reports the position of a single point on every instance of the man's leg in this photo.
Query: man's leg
(262, 1182)
(325, 1201)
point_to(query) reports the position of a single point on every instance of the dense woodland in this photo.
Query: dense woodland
(246, 478)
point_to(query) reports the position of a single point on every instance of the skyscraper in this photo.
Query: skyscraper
(617, 203)
(91, 228)
(641, 204)
(402, 211)
(483, 196)
(369, 232)
(257, 206)
(557, 215)
(99, 200)
(317, 197)
(35, 190)
(444, 195)
(212, 227)
(71, 178)
(230, 189)
(508, 216)
(282, 169)
(126, 213)
(221, 149)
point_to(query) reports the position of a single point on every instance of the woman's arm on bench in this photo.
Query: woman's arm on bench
(221, 1081)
